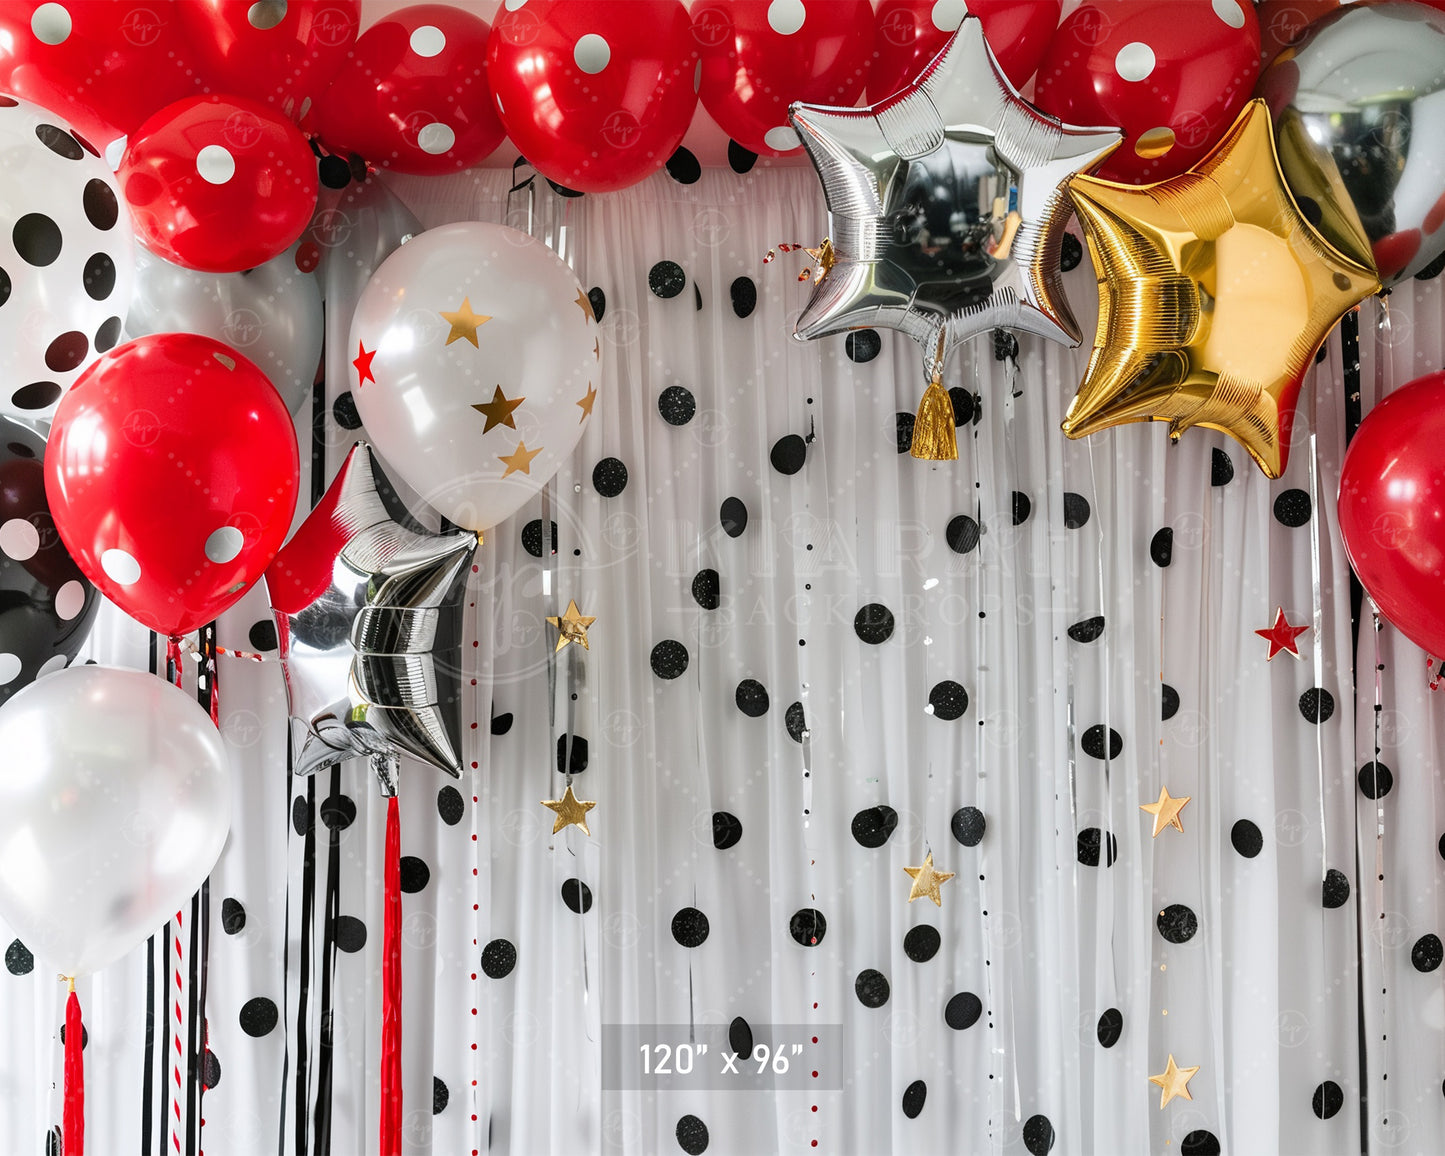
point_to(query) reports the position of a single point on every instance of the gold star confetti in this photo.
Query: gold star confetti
(464, 323)
(1174, 1081)
(825, 257)
(583, 304)
(587, 402)
(571, 811)
(519, 460)
(498, 411)
(1166, 811)
(926, 881)
(572, 626)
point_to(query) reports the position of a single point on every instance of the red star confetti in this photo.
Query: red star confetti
(1282, 636)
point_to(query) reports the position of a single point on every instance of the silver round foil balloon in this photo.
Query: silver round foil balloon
(1359, 114)
(271, 313)
(115, 802)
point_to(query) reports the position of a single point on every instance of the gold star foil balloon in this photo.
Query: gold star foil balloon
(369, 616)
(946, 210)
(1214, 294)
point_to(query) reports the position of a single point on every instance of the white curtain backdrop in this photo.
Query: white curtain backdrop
(817, 660)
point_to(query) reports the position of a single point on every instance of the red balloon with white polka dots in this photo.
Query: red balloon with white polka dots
(414, 96)
(1172, 76)
(912, 32)
(595, 96)
(759, 56)
(218, 184)
(281, 52)
(104, 66)
(172, 475)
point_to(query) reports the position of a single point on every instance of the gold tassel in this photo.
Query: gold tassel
(933, 436)
(934, 439)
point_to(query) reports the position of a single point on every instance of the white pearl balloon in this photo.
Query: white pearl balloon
(115, 802)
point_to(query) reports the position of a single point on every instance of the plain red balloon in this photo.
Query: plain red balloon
(172, 477)
(414, 95)
(1392, 509)
(280, 52)
(908, 38)
(1172, 76)
(592, 101)
(219, 184)
(104, 66)
(758, 56)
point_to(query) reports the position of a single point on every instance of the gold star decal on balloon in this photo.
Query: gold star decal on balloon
(572, 626)
(587, 402)
(464, 323)
(583, 304)
(571, 811)
(927, 881)
(519, 460)
(1166, 811)
(499, 410)
(1174, 1081)
(1214, 293)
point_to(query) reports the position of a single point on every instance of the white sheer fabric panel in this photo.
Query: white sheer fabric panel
(1264, 997)
(1400, 833)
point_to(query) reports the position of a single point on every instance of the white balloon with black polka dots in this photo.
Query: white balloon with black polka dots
(66, 258)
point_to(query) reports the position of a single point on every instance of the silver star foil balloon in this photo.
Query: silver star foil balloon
(368, 611)
(946, 206)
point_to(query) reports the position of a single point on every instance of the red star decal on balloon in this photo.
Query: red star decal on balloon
(363, 364)
(1282, 636)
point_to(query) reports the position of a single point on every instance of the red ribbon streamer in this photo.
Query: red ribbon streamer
(391, 990)
(73, 1135)
(173, 660)
(215, 692)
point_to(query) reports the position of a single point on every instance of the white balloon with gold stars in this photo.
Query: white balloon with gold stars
(475, 366)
